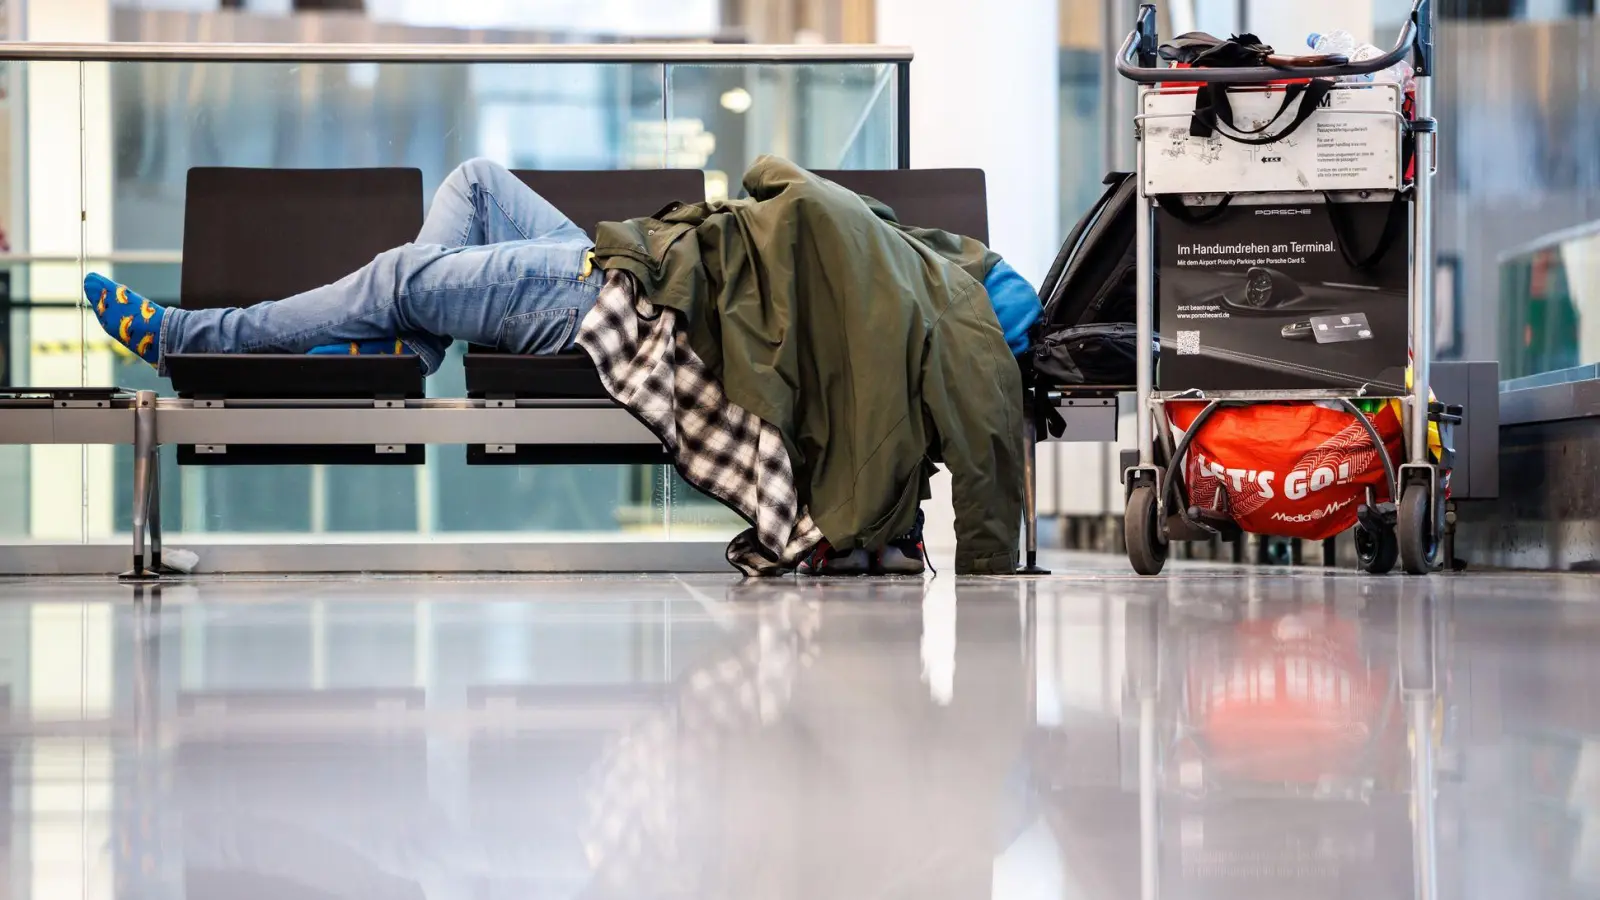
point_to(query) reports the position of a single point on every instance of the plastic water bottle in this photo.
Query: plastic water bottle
(1343, 43)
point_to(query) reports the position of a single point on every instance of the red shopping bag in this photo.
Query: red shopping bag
(1296, 470)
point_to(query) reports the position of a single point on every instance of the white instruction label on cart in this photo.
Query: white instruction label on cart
(1352, 143)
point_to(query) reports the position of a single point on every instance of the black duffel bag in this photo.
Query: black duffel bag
(1099, 354)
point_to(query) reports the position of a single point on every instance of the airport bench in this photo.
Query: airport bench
(296, 409)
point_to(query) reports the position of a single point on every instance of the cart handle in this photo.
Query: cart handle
(1137, 60)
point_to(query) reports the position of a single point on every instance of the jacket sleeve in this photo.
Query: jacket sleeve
(1016, 304)
(972, 391)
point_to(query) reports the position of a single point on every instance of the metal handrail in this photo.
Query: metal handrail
(142, 257)
(685, 53)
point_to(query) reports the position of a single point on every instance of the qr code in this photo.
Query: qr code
(1188, 343)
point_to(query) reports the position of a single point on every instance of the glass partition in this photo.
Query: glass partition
(42, 335)
(1550, 309)
(117, 138)
(819, 116)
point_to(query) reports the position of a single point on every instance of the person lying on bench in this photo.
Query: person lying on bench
(806, 358)
(495, 264)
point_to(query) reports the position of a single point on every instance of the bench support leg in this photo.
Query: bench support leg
(146, 524)
(153, 513)
(1030, 489)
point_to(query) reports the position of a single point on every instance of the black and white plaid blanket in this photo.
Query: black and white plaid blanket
(729, 453)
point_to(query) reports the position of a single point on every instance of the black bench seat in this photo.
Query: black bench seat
(588, 198)
(251, 235)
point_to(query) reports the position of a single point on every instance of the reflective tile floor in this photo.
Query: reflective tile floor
(1220, 733)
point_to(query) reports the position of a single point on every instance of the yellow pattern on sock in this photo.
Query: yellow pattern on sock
(355, 349)
(123, 331)
(101, 309)
(147, 309)
(144, 344)
(122, 294)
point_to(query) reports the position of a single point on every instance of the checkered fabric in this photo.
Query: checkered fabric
(727, 452)
(657, 804)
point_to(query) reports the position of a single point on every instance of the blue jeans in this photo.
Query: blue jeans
(494, 264)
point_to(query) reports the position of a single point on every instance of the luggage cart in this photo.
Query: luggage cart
(1411, 526)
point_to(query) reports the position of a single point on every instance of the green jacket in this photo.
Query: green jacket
(870, 346)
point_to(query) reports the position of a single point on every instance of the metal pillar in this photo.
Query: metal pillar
(1144, 333)
(146, 490)
(154, 513)
(1423, 261)
(902, 115)
(1117, 95)
(1030, 479)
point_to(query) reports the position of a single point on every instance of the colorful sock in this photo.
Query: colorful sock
(130, 319)
(386, 347)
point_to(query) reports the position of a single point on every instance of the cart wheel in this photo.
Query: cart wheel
(1147, 549)
(1377, 551)
(1419, 542)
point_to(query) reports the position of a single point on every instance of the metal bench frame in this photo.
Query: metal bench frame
(146, 422)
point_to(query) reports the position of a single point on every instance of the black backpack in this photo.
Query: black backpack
(1086, 335)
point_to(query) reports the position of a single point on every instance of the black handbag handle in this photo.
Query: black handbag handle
(1172, 205)
(1344, 230)
(1213, 110)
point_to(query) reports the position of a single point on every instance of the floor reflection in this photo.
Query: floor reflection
(1215, 734)
(1279, 737)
